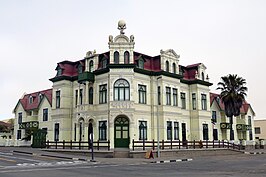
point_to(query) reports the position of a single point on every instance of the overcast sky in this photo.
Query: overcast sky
(228, 36)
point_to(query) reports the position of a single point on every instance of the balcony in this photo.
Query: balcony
(225, 125)
(86, 76)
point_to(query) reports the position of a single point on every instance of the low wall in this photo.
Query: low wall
(187, 153)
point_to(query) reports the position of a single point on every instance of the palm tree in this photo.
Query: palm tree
(233, 94)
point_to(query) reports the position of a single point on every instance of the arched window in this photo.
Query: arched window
(121, 90)
(167, 66)
(141, 63)
(202, 76)
(104, 63)
(90, 95)
(31, 99)
(91, 66)
(174, 68)
(126, 57)
(116, 57)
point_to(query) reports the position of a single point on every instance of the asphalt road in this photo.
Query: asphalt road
(242, 165)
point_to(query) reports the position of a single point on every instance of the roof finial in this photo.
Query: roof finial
(121, 26)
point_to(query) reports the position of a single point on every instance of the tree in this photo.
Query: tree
(233, 92)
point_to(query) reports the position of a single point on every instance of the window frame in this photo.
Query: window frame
(169, 130)
(91, 95)
(126, 57)
(103, 130)
(103, 94)
(121, 90)
(19, 117)
(167, 69)
(175, 97)
(57, 98)
(194, 101)
(203, 101)
(168, 95)
(143, 130)
(176, 130)
(116, 57)
(142, 90)
(45, 115)
(183, 100)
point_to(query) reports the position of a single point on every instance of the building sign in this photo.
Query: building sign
(29, 125)
(243, 127)
(225, 126)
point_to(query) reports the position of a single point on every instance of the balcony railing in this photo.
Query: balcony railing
(86, 76)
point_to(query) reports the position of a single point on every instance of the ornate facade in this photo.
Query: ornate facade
(121, 95)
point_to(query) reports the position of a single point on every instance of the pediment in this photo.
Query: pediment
(121, 39)
(170, 52)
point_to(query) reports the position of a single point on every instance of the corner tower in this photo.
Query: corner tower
(121, 47)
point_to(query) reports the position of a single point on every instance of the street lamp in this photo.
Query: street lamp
(158, 131)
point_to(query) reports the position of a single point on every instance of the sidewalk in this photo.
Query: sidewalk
(69, 156)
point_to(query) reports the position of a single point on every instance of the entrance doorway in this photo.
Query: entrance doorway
(215, 134)
(121, 132)
(184, 132)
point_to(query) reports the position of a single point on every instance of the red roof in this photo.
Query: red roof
(216, 97)
(25, 101)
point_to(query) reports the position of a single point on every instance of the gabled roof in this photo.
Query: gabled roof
(27, 106)
(216, 98)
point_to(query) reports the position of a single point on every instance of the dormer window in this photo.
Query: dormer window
(167, 66)
(30, 99)
(80, 69)
(141, 63)
(202, 76)
(40, 97)
(59, 71)
(116, 57)
(126, 57)
(91, 66)
(104, 63)
(174, 68)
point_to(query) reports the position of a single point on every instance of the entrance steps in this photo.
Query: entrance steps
(121, 152)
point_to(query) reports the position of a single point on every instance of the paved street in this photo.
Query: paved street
(242, 165)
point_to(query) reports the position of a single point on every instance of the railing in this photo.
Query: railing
(97, 145)
(177, 144)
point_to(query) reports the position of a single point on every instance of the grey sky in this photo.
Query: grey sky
(228, 36)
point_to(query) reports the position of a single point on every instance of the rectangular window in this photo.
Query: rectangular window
(168, 96)
(214, 117)
(183, 100)
(257, 130)
(176, 130)
(194, 101)
(45, 114)
(18, 134)
(80, 96)
(142, 94)
(175, 97)
(57, 102)
(102, 130)
(20, 118)
(169, 130)
(159, 95)
(203, 101)
(142, 130)
(103, 94)
(205, 132)
(76, 97)
(56, 131)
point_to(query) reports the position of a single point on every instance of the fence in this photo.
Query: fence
(177, 144)
(78, 144)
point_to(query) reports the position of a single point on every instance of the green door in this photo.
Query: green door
(39, 139)
(122, 132)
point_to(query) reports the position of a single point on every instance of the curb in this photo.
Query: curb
(47, 155)
(172, 161)
(253, 153)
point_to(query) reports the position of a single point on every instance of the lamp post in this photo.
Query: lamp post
(158, 131)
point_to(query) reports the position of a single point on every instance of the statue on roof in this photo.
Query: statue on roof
(122, 26)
